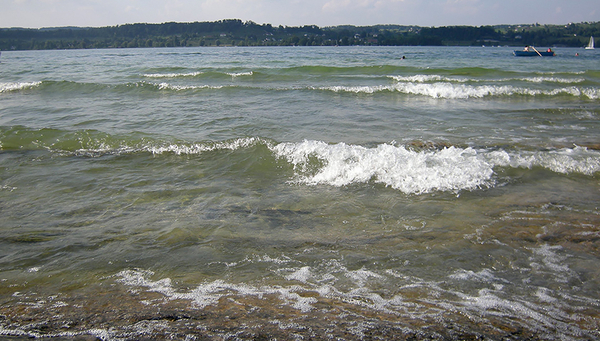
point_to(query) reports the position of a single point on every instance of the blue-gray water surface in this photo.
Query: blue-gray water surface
(294, 193)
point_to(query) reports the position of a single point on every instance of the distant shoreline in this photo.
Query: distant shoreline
(234, 32)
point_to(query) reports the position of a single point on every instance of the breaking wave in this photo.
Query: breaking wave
(446, 90)
(409, 170)
(16, 86)
(172, 75)
(412, 171)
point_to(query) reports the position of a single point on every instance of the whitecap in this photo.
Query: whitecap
(167, 86)
(566, 160)
(438, 78)
(591, 93)
(357, 89)
(450, 90)
(449, 169)
(172, 75)
(422, 78)
(455, 91)
(199, 148)
(552, 80)
(239, 74)
(6, 87)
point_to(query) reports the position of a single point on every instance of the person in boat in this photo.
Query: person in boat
(527, 49)
(549, 50)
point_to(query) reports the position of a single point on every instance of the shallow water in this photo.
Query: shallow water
(241, 193)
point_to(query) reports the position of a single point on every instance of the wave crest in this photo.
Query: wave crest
(16, 86)
(172, 75)
(449, 169)
(447, 90)
(407, 169)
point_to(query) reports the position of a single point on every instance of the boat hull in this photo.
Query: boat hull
(533, 54)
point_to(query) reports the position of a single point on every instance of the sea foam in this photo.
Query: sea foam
(440, 87)
(421, 171)
(449, 169)
(209, 293)
(167, 86)
(412, 171)
(172, 75)
(565, 160)
(240, 74)
(199, 148)
(6, 87)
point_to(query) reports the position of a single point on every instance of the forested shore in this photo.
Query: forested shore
(234, 32)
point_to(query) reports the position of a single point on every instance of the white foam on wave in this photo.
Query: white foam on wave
(435, 90)
(175, 148)
(199, 148)
(449, 90)
(7, 87)
(440, 78)
(172, 75)
(545, 79)
(425, 78)
(357, 89)
(455, 91)
(167, 86)
(566, 160)
(463, 91)
(240, 74)
(449, 169)
(591, 93)
(452, 169)
(415, 172)
(193, 74)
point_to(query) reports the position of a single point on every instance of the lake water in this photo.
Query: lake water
(296, 193)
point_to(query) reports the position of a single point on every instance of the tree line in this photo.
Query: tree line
(234, 32)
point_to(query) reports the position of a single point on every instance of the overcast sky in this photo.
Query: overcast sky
(52, 13)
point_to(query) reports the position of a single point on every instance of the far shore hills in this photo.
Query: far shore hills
(234, 32)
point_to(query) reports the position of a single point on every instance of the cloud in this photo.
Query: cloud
(367, 12)
(462, 7)
(336, 5)
(344, 5)
(44, 13)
